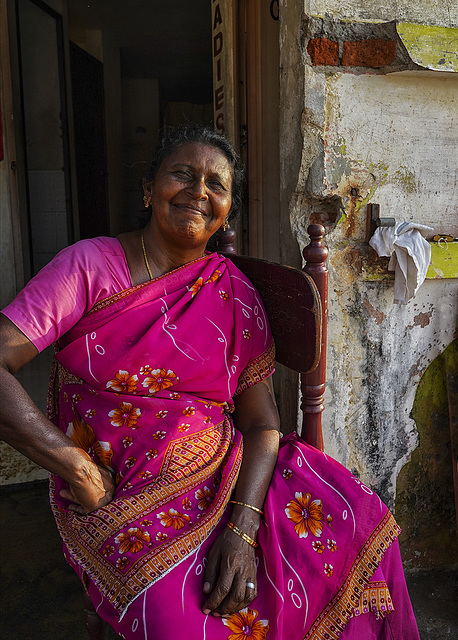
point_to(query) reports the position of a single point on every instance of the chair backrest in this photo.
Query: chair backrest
(296, 304)
(293, 306)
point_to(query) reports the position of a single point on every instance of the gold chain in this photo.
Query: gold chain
(145, 257)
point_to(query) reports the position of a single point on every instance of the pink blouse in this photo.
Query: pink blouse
(67, 288)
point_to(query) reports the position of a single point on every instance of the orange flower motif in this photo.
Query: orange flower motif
(318, 546)
(223, 295)
(244, 625)
(175, 396)
(144, 474)
(161, 536)
(94, 392)
(306, 514)
(214, 277)
(128, 441)
(145, 523)
(90, 413)
(132, 540)
(328, 569)
(123, 382)
(126, 416)
(183, 427)
(145, 370)
(287, 474)
(160, 379)
(130, 461)
(152, 453)
(76, 397)
(83, 435)
(189, 411)
(246, 334)
(128, 485)
(121, 563)
(186, 502)
(65, 396)
(332, 544)
(104, 452)
(159, 435)
(205, 497)
(207, 419)
(108, 551)
(161, 414)
(196, 286)
(173, 518)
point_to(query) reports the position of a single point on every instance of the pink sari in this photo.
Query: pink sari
(145, 383)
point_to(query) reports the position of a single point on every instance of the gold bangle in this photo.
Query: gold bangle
(240, 533)
(244, 504)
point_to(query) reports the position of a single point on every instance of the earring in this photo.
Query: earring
(225, 224)
(145, 201)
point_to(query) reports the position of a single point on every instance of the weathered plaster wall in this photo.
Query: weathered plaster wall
(430, 537)
(375, 127)
(443, 13)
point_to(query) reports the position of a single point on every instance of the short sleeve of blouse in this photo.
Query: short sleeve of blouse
(261, 362)
(67, 288)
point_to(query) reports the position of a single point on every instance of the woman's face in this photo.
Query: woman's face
(190, 195)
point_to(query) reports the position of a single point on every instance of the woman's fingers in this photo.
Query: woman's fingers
(231, 566)
(212, 569)
(96, 492)
(218, 590)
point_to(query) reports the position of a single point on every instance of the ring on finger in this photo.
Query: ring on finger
(250, 585)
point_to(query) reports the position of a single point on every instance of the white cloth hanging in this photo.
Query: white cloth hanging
(410, 256)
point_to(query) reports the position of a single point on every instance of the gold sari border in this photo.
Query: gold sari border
(257, 369)
(333, 619)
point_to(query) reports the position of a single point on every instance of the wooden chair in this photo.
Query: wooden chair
(296, 305)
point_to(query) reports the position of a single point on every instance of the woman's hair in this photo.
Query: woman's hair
(192, 132)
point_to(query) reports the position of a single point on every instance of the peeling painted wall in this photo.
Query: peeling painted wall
(375, 128)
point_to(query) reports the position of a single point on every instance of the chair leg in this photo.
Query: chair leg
(96, 627)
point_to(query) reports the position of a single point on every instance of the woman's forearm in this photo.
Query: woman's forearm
(26, 428)
(260, 450)
(257, 418)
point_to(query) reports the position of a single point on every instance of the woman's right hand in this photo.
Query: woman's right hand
(94, 490)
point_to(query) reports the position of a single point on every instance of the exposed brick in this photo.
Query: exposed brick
(323, 51)
(368, 53)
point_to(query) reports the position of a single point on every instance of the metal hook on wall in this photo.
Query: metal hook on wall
(374, 220)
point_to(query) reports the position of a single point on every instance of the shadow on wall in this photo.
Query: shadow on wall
(425, 500)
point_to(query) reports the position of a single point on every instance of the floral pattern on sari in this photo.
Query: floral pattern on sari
(245, 624)
(83, 435)
(162, 392)
(306, 514)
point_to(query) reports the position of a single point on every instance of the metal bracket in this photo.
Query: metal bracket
(374, 220)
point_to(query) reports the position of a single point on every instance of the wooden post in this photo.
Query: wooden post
(313, 384)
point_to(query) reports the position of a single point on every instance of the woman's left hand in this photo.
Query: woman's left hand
(231, 567)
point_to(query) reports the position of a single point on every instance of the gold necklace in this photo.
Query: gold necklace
(145, 257)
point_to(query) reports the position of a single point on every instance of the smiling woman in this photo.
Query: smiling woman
(178, 506)
(193, 186)
(190, 198)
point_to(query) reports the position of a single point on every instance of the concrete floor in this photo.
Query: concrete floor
(41, 596)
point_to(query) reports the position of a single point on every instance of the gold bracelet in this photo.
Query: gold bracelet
(244, 504)
(240, 533)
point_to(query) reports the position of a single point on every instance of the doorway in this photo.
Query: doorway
(46, 214)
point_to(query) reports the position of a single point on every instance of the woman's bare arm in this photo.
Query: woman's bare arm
(26, 428)
(231, 563)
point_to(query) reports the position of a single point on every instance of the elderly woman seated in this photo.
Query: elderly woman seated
(180, 509)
